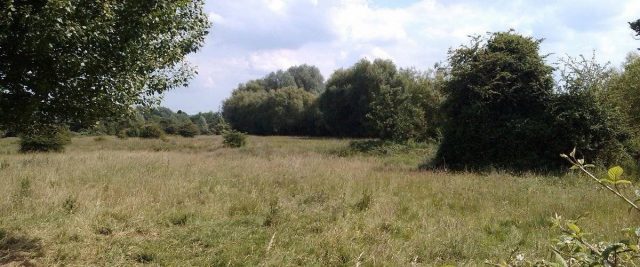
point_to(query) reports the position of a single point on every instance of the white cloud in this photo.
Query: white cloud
(253, 37)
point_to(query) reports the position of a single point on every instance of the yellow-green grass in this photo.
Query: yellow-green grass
(280, 201)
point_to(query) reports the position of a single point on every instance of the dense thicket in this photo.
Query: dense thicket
(502, 110)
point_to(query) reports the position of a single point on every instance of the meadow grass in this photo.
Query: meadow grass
(280, 201)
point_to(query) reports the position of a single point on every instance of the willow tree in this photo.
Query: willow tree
(77, 62)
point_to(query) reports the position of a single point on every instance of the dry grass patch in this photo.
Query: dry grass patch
(278, 201)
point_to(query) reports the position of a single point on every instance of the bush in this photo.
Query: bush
(45, 139)
(189, 129)
(220, 127)
(122, 134)
(497, 99)
(151, 131)
(234, 139)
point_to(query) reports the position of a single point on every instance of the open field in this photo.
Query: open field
(280, 201)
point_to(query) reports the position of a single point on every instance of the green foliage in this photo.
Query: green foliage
(573, 247)
(76, 62)
(408, 112)
(346, 101)
(151, 131)
(496, 101)
(308, 78)
(234, 139)
(219, 126)
(284, 111)
(188, 129)
(202, 124)
(501, 104)
(623, 94)
(375, 99)
(45, 138)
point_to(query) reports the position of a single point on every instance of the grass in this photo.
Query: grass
(280, 201)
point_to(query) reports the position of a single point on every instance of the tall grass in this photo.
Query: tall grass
(278, 201)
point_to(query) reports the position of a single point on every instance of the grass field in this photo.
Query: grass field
(280, 201)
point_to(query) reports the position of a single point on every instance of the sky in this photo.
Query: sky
(251, 38)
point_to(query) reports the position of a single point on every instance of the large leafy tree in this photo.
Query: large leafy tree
(80, 61)
(346, 101)
(284, 111)
(497, 96)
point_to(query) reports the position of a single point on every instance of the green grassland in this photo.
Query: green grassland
(280, 201)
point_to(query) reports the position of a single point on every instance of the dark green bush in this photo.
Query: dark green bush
(45, 139)
(188, 129)
(151, 131)
(234, 139)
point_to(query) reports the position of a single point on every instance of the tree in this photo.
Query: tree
(305, 77)
(406, 112)
(203, 126)
(623, 92)
(308, 78)
(496, 103)
(188, 129)
(349, 92)
(283, 111)
(64, 62)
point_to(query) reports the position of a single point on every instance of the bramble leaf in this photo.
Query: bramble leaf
(615, 173)
(573, 227)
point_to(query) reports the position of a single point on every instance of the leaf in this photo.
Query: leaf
(589, 166)
(615, 173)
(560, 260)
(573, 227)
(622, 182)
(573, 153)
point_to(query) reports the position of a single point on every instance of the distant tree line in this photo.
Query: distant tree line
(162, 118)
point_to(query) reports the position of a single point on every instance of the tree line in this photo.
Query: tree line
(496, 103)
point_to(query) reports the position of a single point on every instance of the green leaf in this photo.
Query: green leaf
(622, 182)
(589, 166)
(573, 227)
(615, 173)
(560, 260)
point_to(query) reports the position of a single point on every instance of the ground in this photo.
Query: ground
(280, 201)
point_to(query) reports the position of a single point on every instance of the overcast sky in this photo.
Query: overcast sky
(251, 38)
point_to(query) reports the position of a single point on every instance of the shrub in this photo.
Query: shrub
(45, 139)
(132, 132)
(122, 134)
(220, 127)
(497, 100)
(151, 131)
(188, 129)
(234, 139)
